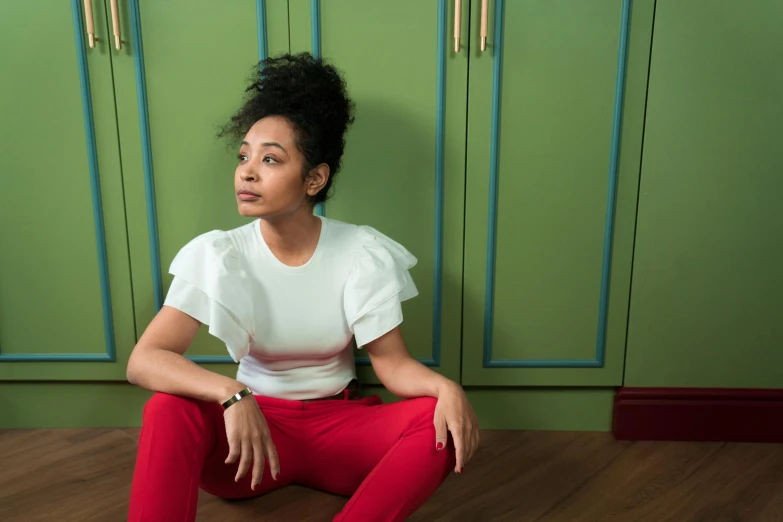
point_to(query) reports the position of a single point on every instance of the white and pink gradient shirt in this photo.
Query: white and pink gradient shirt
(291, 328)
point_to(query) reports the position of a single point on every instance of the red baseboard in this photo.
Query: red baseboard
(698, 414)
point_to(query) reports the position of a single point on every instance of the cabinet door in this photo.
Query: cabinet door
(556, 112)
(707, 301)
(404, 163)
(175, 87)
(65, 296)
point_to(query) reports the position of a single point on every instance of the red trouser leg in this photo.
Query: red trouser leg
(384, 455)
(183, 444)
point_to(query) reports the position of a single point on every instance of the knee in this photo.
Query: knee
(423, 411)
(163, 406)
(424, 408)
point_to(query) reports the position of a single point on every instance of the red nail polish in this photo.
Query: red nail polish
(440, 446)
(461, 470)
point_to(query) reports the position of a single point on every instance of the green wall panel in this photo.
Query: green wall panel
(196, 64)
(555, 104)
(405, 157)
(707, 299)
(64, 275)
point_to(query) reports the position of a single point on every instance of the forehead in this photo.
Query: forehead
(271, 129)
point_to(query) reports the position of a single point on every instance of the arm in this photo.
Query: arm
(406, 377)
(400, 373)
(157, 362)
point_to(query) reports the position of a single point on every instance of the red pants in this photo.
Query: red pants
(382, 455)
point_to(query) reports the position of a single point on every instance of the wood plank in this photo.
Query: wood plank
(85, 475)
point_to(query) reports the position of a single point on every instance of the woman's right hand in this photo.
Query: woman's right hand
(249, 440)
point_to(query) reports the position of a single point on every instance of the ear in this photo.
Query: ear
(316, 179)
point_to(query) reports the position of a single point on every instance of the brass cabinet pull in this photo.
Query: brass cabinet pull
(457, 24)
(90, 23)
(115, 23)
(484, 10)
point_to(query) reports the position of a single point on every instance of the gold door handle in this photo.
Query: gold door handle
(457, 24)
(115, 23)
(483, 33)
(90, 23)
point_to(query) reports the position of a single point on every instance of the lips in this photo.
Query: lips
(247, 195)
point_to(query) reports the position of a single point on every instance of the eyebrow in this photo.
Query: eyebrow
(269, 144)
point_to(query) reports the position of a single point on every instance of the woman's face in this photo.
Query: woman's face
(268, 179)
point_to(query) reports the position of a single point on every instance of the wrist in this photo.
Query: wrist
(445, 386)
(227, 391)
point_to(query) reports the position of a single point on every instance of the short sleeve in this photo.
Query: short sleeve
(211, 285)
(378, 284)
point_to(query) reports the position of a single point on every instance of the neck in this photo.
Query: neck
(292, 233)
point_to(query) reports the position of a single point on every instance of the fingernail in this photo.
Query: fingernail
(440, 446)
(461, 470)
(276, 476)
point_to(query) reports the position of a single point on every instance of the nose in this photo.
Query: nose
(248, 172)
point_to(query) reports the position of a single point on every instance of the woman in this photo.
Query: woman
(288, 293)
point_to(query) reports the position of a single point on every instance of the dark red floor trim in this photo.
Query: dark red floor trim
(703, 414)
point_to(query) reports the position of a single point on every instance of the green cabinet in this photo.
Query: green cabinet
(707, 299)
(115, 166)
(416, 170)
(65, 296)
(556, 111)
(529, 210)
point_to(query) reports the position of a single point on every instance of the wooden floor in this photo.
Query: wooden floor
(84, 476)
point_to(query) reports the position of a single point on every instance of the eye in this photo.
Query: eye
(242, 157)
(270, 159)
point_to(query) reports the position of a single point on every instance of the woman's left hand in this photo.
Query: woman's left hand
(455, 414)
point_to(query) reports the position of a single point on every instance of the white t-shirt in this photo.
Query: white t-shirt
(290, 328)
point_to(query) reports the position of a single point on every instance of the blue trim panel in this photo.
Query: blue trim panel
(315, 27)
(57, 357)
(261, 29)
(95, 184)
(315, 44)
(97, 210)
(619, 97)
(146, 152)
(611, 197)
(365, 361)
(211, 359)
(489, 297)
(440, 154)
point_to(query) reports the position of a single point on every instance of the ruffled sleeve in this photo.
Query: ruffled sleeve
(378, 284)
(211, 285)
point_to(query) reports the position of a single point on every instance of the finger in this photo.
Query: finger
(271, 453)
(234, 449)
(441, 432)
(459, 447)
(258, 463)
(474, 438)
(244, 459)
